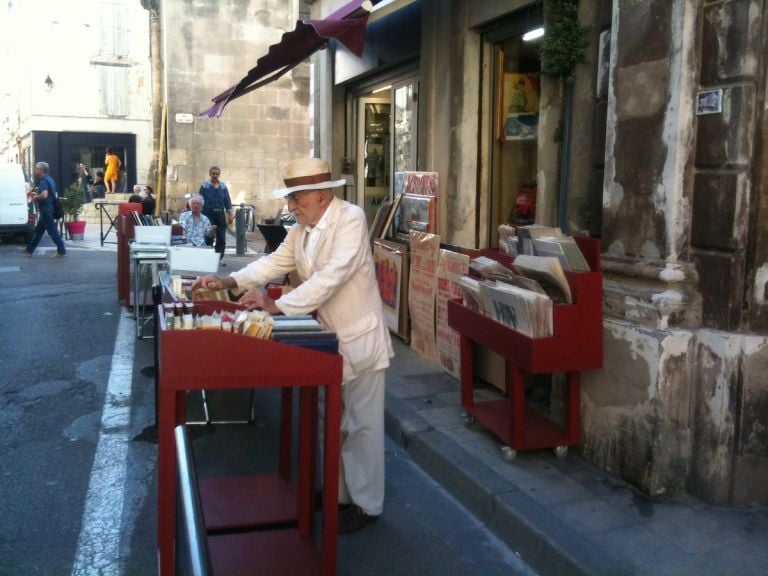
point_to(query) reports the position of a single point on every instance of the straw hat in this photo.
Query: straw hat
(306, 174)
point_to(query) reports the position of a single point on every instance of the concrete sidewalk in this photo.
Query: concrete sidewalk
(562, 515)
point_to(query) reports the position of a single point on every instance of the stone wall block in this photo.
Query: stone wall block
(730, 41)
(715, 403)
(645, 29)
(720, 217)
(641, 89)
(631, 215)
(721, 283)
(725, 140)
(635, 410)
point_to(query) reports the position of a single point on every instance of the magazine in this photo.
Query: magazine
(548, 272)
(564, 249)
(528, 312)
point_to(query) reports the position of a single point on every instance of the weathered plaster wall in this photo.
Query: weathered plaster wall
(681, 410)
(636, 410)
(208, 47)
(679, 406)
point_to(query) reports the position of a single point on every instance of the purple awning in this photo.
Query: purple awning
(347, 25)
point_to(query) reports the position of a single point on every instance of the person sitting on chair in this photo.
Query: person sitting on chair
(196, 225)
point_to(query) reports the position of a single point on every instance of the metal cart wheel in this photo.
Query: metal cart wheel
(468, 419)
(508, 453)
(561, 451)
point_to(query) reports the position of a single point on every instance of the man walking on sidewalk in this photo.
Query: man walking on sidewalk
(45, 196)
(217, 208)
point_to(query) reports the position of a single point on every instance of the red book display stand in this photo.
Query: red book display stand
(245, 516)
(577, 345)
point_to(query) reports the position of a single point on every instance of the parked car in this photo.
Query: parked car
(18, 215)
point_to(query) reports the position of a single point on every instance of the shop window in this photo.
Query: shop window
(384, 140)
(516, 98)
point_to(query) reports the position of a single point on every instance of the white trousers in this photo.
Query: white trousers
(361, 474)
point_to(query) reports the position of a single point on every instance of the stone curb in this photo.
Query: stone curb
(529, 529)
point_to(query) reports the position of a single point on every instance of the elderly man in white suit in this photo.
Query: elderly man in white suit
(329, 250)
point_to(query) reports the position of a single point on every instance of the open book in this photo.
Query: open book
(548, 272)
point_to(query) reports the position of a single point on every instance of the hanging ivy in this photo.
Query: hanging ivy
(565, 43)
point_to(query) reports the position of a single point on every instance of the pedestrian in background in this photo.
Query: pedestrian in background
(86, 181)
(148, 203)
(112, 173)
(218, 208)
(45, 195)
(99, 188)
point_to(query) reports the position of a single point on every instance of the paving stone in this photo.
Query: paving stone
(696, 533)
(553, 488)
(592, 515)
(637, 546)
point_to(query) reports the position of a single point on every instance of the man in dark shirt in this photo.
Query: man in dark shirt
(45, 196)
(148, 203)
(217, 207)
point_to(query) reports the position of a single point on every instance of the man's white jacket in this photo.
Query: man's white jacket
(340, 285)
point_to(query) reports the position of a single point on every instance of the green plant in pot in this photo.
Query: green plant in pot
(72, 200)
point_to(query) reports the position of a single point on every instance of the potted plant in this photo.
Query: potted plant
(72, 199)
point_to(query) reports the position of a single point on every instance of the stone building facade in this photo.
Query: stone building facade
(668, 169)
(207, 47)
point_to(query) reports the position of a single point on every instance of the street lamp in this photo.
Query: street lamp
(48, 83)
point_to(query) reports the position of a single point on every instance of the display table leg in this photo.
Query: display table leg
(516, 391)
(467, 375)
(307, 455)
(331, 453)
(286, 423)
(166, 482)
(574, 407)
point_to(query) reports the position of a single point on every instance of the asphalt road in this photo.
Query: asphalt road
(64, 344)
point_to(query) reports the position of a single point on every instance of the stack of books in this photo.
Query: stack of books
(304, 331)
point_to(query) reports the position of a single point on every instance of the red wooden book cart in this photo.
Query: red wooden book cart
(577, 345)
(246, 516)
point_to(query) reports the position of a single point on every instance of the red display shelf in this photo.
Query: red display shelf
(271, 553)
(238, 502)
(215, 360)
(576, 345)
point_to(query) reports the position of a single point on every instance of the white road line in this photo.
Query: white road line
(98, 547)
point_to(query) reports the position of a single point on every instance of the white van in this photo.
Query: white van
(17, 214)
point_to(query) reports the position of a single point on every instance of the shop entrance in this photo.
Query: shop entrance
(514, 151)
(382, 140)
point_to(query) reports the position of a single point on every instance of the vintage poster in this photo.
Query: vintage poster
(422, 287)
(520, 106)
(389, 272)
(450, 269)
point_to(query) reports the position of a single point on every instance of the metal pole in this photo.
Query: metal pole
(241, 242)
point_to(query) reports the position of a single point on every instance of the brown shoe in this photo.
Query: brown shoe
(353, 519)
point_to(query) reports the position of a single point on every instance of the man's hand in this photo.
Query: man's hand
(255, 298)
(230, 218)
(213, 282)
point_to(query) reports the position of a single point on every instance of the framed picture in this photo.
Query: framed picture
(518, 112)
(391, 265)
(709, 102)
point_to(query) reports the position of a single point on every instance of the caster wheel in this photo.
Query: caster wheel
(468, 419)
(507, 453)
(561, 451)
